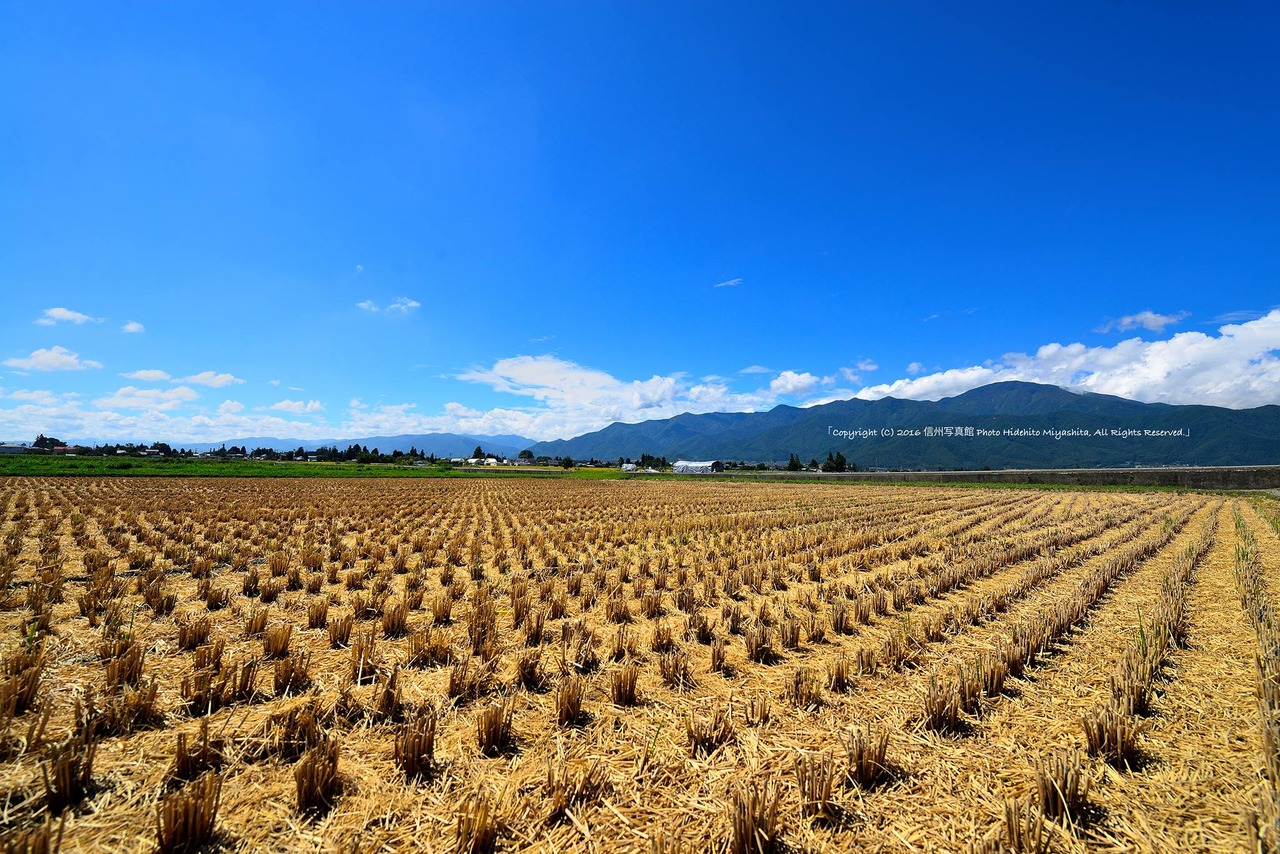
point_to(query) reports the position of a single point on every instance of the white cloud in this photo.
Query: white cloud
(149, 419)
(367, 305)
(150, 375)
(160, 400)
(37, 396)
(1239, 367)
(404, 305)
(1148, 320)
(790, 382)
(867, 365)
(729, 283)
(457, 410)
(1237, 316)
(55, 358)
(755, 369)
(133, 327)
(211, 379)
(359, 268)
(297, 407)
(573, 399)
(54, 316)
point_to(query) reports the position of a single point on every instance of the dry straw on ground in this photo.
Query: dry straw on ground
(478, 665)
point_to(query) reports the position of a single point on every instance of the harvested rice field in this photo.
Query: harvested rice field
(470, 665)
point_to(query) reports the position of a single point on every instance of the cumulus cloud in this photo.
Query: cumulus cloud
(161, 400)
(790, 382)
(55, 358)
(1238, 367)
(728, 283)
(457, 410)
(1235, 365)
(297, 407)
(133, 327)
(150, 375)
(1148, 320)
(867, 365)
(572, 399)
(37, 396)
(404, 305)
(367, 305)
(54, 316)
(209, 378)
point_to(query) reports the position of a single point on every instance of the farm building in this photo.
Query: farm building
(698, 466)
(7, 448)
(628, 466)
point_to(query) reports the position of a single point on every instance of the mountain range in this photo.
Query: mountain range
(441, 444)
(1002, 425)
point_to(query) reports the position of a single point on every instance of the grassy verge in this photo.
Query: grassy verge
(24, 465)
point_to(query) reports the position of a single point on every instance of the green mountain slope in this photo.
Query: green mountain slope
(1022, 425)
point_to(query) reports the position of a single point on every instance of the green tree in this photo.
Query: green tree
(526, 454)
(567, 463)
(478, 453)
(794, 464)
(835, 463)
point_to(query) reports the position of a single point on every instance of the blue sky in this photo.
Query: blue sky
(330, 221)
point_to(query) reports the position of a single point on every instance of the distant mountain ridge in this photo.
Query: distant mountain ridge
(439, 444)
(1002, 425)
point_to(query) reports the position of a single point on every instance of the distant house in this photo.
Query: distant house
(628, 466)
(698, 466)
(9, 448)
